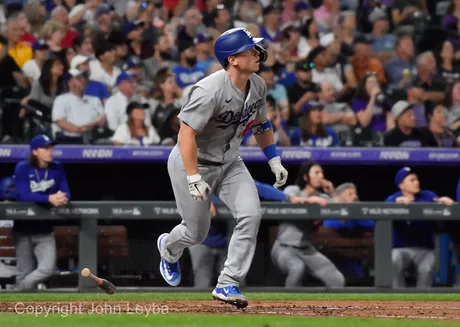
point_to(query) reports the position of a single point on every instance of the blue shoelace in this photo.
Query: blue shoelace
(172, 267)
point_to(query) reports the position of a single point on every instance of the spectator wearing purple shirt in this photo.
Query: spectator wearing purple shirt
(368, 104)
(451, 26)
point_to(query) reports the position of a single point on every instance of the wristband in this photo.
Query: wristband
(260, 128)
(194, 178)
(270, 151)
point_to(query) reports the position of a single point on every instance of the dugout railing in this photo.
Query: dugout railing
(88, 214)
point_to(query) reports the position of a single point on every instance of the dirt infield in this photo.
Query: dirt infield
(427, 310)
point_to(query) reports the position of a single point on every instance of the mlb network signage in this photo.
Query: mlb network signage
(270, 210)
(352, 156)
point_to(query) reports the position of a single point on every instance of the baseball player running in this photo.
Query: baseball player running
(215, 117)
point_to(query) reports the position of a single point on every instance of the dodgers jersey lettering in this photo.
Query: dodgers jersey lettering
(222, 114)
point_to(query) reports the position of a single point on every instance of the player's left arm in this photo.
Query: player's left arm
(263, 133)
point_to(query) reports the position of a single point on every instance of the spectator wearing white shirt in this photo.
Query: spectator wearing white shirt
(103, 69)
(32, 68)
(84, 13)
(319, 59)
(115, 107)
(75, 113)
(135, 131)
(339, 65)
(93, 88)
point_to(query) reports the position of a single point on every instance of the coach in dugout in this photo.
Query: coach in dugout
(40, 180)
(413, 241)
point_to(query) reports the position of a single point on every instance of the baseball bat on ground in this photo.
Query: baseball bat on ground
(103, 284)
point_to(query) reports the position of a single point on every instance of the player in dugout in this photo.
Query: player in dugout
(413, 241)
(41, 180)
(293, 252)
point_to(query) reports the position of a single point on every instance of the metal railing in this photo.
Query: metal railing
(382, 213)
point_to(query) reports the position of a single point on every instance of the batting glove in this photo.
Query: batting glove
(279, 171)
(199, 189)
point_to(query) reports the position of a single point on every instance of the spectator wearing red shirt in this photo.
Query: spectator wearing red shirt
(177, 7)
(61, 15)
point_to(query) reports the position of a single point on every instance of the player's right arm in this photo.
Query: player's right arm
(188, 149)
(194, 116)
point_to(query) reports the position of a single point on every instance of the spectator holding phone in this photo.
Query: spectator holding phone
(39, 180)
(369, 104)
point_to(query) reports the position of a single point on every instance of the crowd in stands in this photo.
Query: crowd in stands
(339, 72)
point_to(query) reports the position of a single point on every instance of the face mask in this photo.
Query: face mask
(191, 61)
(165, 55)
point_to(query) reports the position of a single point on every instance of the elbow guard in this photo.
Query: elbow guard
(260, 128)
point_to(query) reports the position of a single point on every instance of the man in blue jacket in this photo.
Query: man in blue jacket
(413, 241)
(41, 180)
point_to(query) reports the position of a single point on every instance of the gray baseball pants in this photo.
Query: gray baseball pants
(296, 262)
(424, 261)
(35, 259)
(234, 186)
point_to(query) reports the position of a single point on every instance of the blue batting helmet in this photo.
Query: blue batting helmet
(234, 41)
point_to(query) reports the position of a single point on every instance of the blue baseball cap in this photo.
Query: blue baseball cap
(311, 106)
(39, 45)
(101, 10)
(202, 38)
(131, 63)
(41, 141)
(129, 27)
(301, 5)
(402, 174)
(124, 76)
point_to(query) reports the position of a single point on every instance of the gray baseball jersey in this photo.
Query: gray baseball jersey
(297, 233)
(222, 114)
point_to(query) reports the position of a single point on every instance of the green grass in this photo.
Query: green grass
(199, 320)
(207, 320)
(60, 297)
